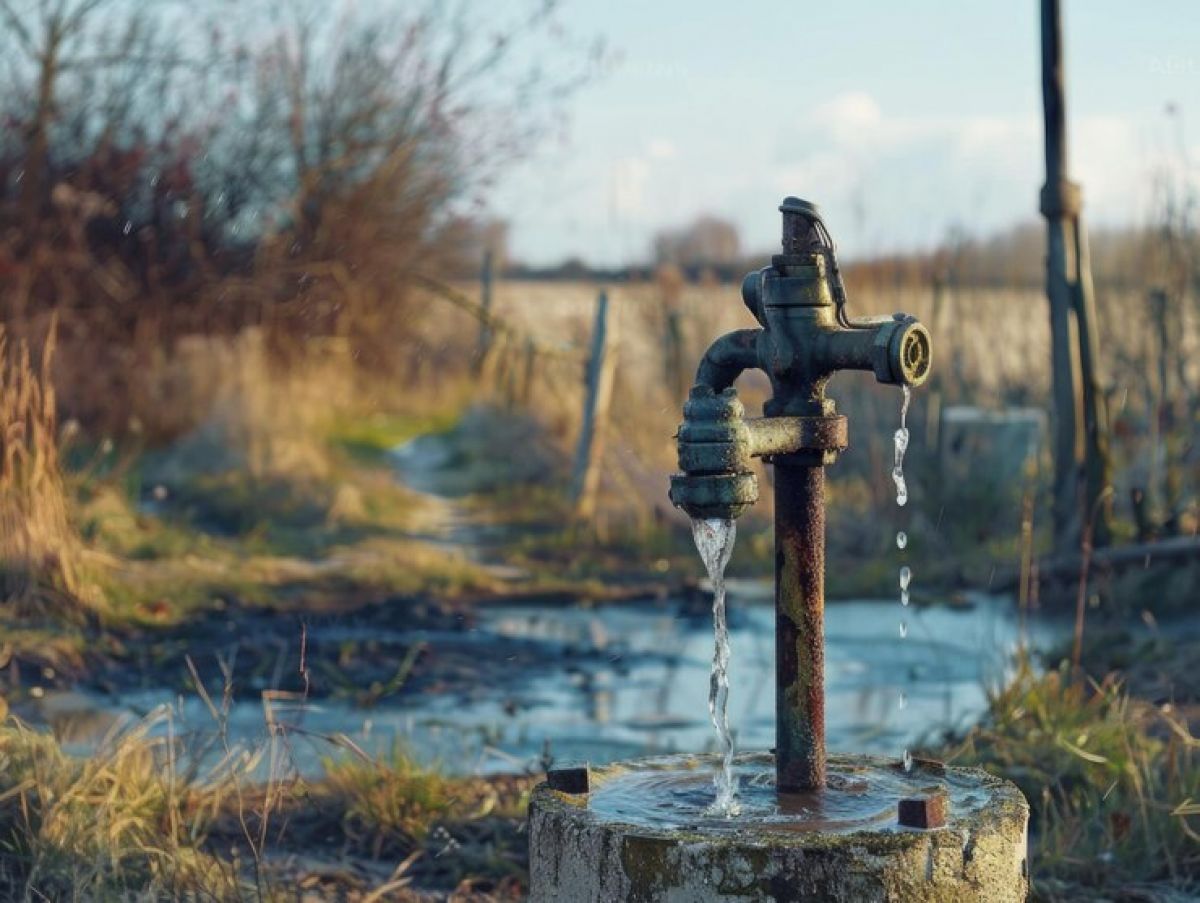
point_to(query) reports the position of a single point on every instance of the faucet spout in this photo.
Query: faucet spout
(896, 349)
(727, 358)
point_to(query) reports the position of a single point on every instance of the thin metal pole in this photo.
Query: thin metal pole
(799, 625)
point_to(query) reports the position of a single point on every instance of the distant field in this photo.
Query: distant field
(991, 349)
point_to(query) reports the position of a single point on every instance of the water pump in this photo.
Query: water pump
(805, 336)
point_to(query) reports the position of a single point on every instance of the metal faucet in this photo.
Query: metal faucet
(805, 337)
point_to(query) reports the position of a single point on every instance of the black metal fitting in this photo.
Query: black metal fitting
(573, 780)
(924, 812)
(804, 338)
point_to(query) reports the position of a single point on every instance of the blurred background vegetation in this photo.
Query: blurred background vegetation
(245, 254)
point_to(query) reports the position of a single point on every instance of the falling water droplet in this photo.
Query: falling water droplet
(128, 227)
(714, 540)
(903, 629)
(903, 701)
(908, 760)
(901, 446)
(901, 540)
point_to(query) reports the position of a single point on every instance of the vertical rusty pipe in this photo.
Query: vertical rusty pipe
(799, 624)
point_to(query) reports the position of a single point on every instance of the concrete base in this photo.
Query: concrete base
(577, 853)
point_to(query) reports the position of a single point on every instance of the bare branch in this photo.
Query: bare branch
(13, 21)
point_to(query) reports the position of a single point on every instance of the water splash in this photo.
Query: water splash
(900, 440)
(714, 540)
(901, 540)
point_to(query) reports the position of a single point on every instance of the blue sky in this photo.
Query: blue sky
(901, 119)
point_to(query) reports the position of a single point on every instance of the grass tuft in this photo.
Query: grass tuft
(1112, 782)
(40, 549)
(125, 823)
(389, 805)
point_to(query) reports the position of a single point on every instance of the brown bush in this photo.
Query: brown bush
(40, 549)
(283, 168)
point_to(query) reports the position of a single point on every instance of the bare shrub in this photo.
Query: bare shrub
(285, 167)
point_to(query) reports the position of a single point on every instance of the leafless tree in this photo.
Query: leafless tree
(170, 167)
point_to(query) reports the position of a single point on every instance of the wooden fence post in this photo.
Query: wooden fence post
(601, 370)
(1079, 407)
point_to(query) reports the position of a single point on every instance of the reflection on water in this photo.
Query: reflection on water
(639, 685)
(675, 792)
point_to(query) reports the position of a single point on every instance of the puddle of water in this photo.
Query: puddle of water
(642, 689)
(673, 793)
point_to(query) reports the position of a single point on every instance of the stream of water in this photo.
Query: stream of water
(901, 444)
(900, 440)
(714, 540)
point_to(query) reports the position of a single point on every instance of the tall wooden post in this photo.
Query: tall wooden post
(1081, 458)
(601, 371)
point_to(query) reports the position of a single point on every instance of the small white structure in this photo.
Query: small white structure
(1000, 446)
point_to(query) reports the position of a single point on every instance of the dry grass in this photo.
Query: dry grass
(140, 820)
(991, 350)
(255, 415)
(1113, 782)
(127, 823)
(41, 566)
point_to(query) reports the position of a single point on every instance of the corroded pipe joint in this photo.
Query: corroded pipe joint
(714, 455)
(798, 440)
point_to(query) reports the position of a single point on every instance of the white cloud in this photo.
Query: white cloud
(660, 149)
(629, 178)
(848, 117)
(887, 180)
(912, 176)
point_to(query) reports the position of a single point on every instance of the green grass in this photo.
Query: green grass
(229, 537)
(371, 438)
(388, 805)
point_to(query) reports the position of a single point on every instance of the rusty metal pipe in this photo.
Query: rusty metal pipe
(799, 625)
(768, 437)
